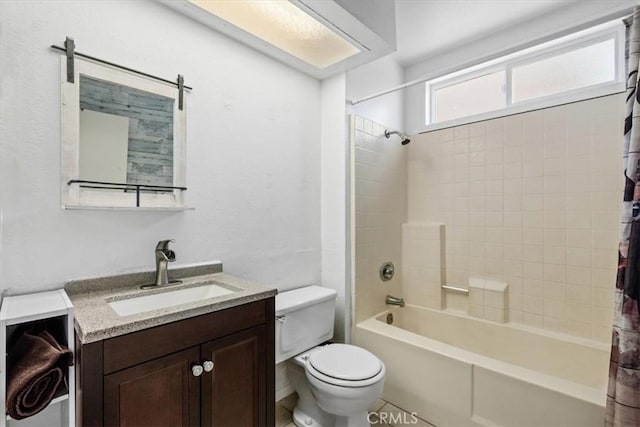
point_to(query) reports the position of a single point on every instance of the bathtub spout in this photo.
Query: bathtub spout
(395, 301)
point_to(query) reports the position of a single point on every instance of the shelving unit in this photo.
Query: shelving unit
(20, 310)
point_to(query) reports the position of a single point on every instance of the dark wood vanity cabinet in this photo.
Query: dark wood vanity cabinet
(146, 378)
(161, 392)
(238, 375)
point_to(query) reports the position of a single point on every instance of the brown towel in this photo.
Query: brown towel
(34, 373)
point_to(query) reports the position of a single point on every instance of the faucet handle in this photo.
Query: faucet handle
(163, 245)
(167, 254)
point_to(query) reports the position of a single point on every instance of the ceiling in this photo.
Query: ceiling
(431, 27)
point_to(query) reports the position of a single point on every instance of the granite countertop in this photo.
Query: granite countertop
(95, 320)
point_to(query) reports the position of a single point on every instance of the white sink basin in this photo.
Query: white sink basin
(127, 307)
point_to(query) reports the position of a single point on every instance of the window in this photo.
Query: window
(571, 68)
(575, 69)
(470, 97)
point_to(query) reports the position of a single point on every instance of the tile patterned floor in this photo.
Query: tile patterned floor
(384, 414)
(284, 409)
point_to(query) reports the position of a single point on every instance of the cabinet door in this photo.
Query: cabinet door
(234, 392)
(161, 392)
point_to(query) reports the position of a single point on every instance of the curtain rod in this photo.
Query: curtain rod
(122, 67)
(448, 70)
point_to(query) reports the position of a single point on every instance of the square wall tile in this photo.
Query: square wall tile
(532, 200)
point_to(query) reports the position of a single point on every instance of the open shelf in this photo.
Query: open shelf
(21, 311)
(131, 208)
(62, 396)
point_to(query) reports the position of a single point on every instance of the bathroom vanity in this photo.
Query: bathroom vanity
(206, 361)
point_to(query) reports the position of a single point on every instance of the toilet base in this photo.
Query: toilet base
(301, 419)
(357, 420)
(307, 413)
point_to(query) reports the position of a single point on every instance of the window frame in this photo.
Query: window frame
(571, 47)
(610, 31)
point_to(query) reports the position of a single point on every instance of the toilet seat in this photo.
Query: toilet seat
(345, 365)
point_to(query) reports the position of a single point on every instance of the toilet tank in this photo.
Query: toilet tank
(304, 319)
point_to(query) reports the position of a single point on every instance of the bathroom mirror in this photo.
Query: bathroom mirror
(123, 140)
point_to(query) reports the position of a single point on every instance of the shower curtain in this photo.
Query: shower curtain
(623, 394)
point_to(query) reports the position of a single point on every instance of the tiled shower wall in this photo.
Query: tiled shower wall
(532, 200)
(380, 209)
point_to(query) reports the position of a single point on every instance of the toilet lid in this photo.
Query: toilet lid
(345, 362)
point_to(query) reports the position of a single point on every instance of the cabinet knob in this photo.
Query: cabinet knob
(208, 365)
(197, 370)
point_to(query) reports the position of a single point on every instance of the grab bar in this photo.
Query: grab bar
(455, 289)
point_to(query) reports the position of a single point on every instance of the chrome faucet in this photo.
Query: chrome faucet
(395, 301)
(164, 256)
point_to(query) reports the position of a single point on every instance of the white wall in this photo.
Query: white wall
(376, 76)
(574, 17)
(333, 194)
(253, 153)
(333, 154)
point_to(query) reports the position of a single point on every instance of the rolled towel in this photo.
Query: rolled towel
(34, 373)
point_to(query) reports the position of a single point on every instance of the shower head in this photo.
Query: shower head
(404, 139)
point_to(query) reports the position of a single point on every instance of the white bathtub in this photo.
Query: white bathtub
(454, 370)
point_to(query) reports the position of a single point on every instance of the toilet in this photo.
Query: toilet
(336, 383)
